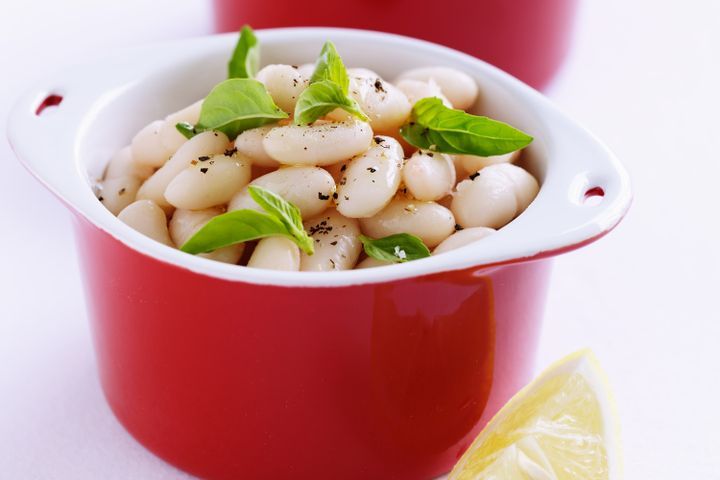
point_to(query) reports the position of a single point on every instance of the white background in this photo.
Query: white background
(643, 75)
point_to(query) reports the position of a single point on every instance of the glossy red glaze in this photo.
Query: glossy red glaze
(527, 38)
(233, 380)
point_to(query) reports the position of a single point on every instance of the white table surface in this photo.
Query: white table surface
(643, 75)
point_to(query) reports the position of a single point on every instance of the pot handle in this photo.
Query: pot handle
(41, 130)
(584, 194)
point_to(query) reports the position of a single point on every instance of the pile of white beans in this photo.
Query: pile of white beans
(347, 177)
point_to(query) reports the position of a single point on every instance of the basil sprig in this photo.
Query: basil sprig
(329, 66)
(287, 213)
(245, 59)
(281, 218)
(233, 106)
(398, 248)
(328, 90)
(433, 126)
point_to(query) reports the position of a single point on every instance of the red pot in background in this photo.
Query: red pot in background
(527, 38)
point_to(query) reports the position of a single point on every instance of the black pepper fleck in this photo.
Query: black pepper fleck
(335, 195)
(333, 243)
(379, 86)
(203, 170)
(231, 152)
(322, 228)
(371, 169)
(121, 191)
(474, 175)
(323, 197)
(101, 198)
(343, 168)
(379, 140)
(204, 158)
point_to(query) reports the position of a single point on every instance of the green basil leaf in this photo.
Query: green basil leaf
(187, 129)
(236, 105)
(321, 98)
(329, 66)
(245, 59)
(286, 213)
(433, 126)
(398, 248)
(234, 227)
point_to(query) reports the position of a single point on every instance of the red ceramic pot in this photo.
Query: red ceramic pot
(229, 372)
(528, 38)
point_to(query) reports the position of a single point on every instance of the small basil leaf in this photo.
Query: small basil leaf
(433, 126)
(233, 227)
(329, 66)
(236, 105)
(321, 98)
(398, 248)
(187, 129)
(245, 59)
(286, 213)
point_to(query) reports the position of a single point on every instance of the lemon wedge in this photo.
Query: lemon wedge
(562, 426)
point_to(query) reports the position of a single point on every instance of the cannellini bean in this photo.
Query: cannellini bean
(122, 165)
(184, 224)
(336, 240)
(207, 183)
(306, 70)
(462, 238)
(250, 144)
(526, 187)
(118, 193)
(429, 175)
(317, 144)
(371, 262)
(308, 188)
(473, 163)
(416, 90)
(361, 72)
(456, 85)
(169, 135)
(370, 179)
(385, 105)
(147, 147)
(275, 253)
(147, 218)
(431, 222)
(284, 84)
(493, 196)
(203, 144)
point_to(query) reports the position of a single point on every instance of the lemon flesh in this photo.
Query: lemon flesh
(560, 427)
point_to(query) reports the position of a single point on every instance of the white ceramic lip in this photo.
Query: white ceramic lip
(53, 147)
